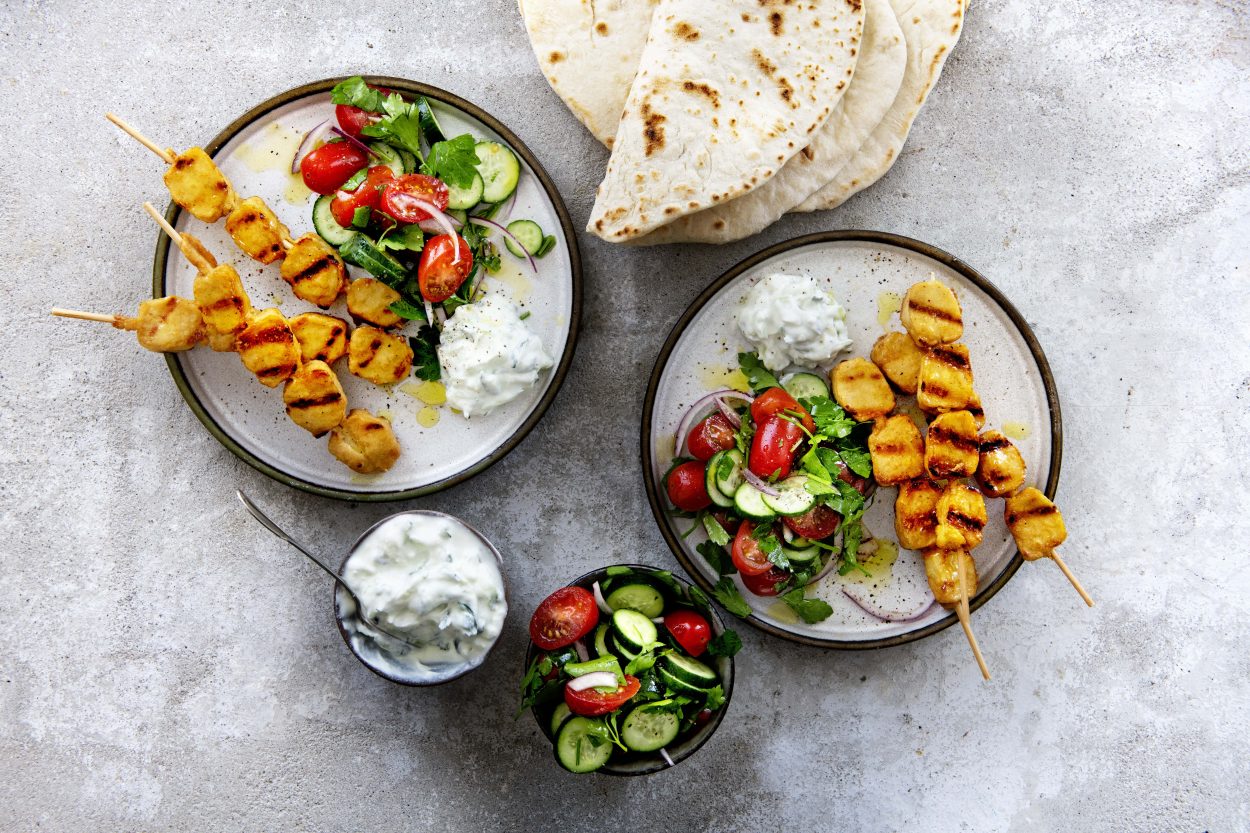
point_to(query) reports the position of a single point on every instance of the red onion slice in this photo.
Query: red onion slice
(697, 409)
(582, 654)
(482, 221)
(507, 209)
(352, 140)
(599, 600)
(310, 140)
(595, 679)
(760, 484)
(728, 413)
(865, 603)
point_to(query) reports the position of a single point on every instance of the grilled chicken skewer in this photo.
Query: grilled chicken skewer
(163, 325)
(953, 578)
(1037, 525)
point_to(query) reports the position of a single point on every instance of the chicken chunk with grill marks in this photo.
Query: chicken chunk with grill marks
(314, 398)
(224, 304)
(369, 301)
(915, 513)
(861, 390)
(321, 337)
(951, 447)
(952, 575)
(1000, 469)
(314, 270)
(198, 185)
(897, 450)
(1036, 524)
(257, 230)
(899, 359)
(378, 356)
(961, 517)
(364, 443)
(931, 313)
(166, 325)
(945, 381)
(268, 348)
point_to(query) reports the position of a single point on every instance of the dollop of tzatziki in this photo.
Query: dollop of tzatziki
(489, 356)
(433, 581)
(791, 320)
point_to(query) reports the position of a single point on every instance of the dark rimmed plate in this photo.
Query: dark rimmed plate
(862, 268)
(255, 152)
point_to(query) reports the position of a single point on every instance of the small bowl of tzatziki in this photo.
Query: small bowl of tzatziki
(431, 579)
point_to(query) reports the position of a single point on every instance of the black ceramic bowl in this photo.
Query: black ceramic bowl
(645, 763)
(345, 608)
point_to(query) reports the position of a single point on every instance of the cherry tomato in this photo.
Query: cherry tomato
(773, 447)
(353, 119)
(728, 522)
(710, 436)
(345, 203)
(765, 584)
(746, 553)
(563, 618)
(702, 717)
(439, 273)
(847, 476)
(691, 631)
(591, 703)
(326, 168)
(775, 401)
(815, 524)
(687, 486)
(400, 195)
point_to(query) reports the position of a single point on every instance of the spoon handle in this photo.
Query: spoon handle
(268, 524)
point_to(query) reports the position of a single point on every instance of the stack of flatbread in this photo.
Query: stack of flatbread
(722, 115)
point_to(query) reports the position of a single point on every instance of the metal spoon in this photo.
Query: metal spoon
(268, 524)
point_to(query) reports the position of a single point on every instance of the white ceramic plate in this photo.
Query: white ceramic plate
(255, 154)
(862, 269)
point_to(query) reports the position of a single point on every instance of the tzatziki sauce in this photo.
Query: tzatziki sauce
(432, 580)
(489, 356)
(791, 320)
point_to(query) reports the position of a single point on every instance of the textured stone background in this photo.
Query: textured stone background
(165, 664)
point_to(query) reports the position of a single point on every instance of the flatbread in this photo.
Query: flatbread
(878, 75)
(931, 29)
(727, 92)
(589, 52)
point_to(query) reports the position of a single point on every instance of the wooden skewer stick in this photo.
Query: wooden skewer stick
(965, 619)
(163, 153)
(1076, 584)
(196, 259)
(119, 321)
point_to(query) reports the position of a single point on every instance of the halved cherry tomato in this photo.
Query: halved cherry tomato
(439, 273)
(815, 524)
(591, 703)
(765, 584)
(400, 196)
(326, 168)
(345, 203)
(691, 631)
(687, 486)
(353, 119)
(746, 553)
(773, 447)
(775, 401)
(710, 436)
(563, 618)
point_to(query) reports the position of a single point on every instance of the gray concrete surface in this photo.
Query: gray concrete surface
(166, 665)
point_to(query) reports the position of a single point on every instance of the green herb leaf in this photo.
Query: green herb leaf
(715, 698)
(857, 459)
(408, 311)
(715, 532)
(643, 662)
(758, 377)
(356, 93)
(829, 417)
(454, 161)
(409, 238)
(618, 570)
(725, 645)
(717, 557)
(727, 593)
(809, 610)
(425, 353)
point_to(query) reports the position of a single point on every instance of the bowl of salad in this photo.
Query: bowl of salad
(629, 671)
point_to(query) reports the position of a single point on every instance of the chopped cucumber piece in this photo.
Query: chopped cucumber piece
(804, 385)
(690, 671)
(360, 250)
(601, 640)
(621, 651)
(326, 225)
(792, 496)
(561, 714)
(500, 171)
(713, 489)
(409, 161)
(633, 630)
(462, 199)
(355, 180)
(749, 501)
(528, 233)
(430, 127)
(360, 217)
(640, 597)
(549, 243)
(579, 748)
(389, 157)
(801, 556)
(677, 684)
(651, 727)
(728, 472)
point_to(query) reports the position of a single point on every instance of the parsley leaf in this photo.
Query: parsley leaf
(857, 459)
(725, 645)
(809, 610)
(399, 126)
(715, 532)
(356, 93)
(408, 311)
(643, 662)
(454, 161)
(425, 353)
(727, 593)
(717, 557)
(758, 377)
(715, 698)
(402, 237)
(829, 417)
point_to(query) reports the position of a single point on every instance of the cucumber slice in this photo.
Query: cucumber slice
(640, 597)
(389, 157)
(430, 127)
(729, 472)
(713, 489)
(408, 160)
(677, 684)
(620, 651)
(361, 251)
(633, 631)
(558, 717)
(462, 199)
(459, 215)
(500, 171)
(326, 225)
(792, 496)
(528, 233)
(801, 556)
(805, 385)
(650, 727)
(690, 671)
(577, 749)
(749, 501)
(601, 640)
